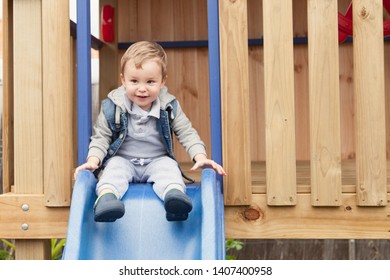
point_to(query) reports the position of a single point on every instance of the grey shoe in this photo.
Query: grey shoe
(108, 208)
(177, 205)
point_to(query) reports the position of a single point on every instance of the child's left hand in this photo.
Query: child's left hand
(203, 162)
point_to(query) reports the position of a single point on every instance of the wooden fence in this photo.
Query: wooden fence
(326, 196)
(319, 249)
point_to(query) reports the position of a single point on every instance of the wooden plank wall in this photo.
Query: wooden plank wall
(188, 68)
(174, 20)
(301, 86)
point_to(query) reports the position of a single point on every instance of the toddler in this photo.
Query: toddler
(132, 139)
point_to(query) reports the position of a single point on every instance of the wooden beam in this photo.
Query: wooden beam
(28, 111)
(279, 102)
(303, 221)
(235, 101)
(57, 103)
(324, 97)
(8, 97)
(27, 217)
(28, 116)
(369, 87)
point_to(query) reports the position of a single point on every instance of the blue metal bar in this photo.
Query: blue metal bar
(172, 44)
(84, 106)
(214, 77)
(205, 43)
(215, 104)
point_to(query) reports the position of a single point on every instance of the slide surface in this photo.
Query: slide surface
(144, 233)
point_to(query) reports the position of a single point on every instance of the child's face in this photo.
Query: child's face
(143, 84)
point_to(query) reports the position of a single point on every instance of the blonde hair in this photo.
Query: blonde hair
(142, 51)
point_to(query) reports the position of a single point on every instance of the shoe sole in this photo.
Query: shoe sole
(110, 213)
(177, 207)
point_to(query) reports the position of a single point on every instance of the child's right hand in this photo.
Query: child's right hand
(92, 164)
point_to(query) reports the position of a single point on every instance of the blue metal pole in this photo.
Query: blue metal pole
(84, 106)
(215, 108)
(215, 88)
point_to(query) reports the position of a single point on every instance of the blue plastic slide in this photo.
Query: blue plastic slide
(144, 233)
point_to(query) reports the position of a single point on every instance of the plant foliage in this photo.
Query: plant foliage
(233, 245)
(8, 253)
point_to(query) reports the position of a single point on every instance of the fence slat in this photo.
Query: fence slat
(235, 101)
(324, 100)
(279, 102)
(368, 53)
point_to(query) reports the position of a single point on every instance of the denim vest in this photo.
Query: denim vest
(117, 122)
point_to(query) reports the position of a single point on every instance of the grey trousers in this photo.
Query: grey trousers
(162, 172)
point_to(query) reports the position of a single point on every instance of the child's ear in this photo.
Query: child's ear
(164, 80)
(122, 79)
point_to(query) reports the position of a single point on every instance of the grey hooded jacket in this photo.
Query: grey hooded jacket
(110, 128)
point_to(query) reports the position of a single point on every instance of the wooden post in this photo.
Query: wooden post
(324, 99)
(235, 101)
(28, 111)
(33, 250)
(42, 111)
(369, 102)
(279, 102)
(57, 102)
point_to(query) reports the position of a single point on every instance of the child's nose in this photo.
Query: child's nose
(142, 87)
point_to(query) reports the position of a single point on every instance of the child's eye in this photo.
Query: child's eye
(150, 82)
(133, 81)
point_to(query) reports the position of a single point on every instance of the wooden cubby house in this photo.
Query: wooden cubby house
(304, 118)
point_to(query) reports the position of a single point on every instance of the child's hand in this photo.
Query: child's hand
(92, 164)
(203, 162)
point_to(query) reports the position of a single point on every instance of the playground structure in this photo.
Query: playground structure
(300, 122)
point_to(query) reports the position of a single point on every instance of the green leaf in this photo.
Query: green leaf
(8, 243)
(233, 244)
(57, 248)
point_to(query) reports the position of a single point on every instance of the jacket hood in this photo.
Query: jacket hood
(118, 96)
